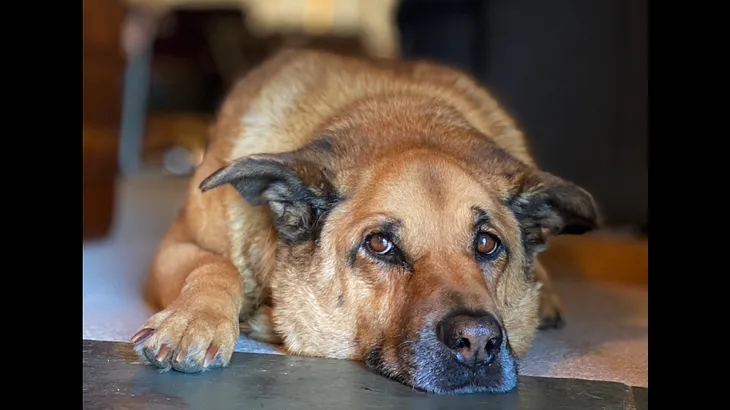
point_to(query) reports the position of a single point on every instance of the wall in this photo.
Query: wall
(572, 72)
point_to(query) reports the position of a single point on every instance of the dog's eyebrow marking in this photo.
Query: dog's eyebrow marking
(480, 216)
(391, 228)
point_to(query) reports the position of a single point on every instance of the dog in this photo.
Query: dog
(388, 212)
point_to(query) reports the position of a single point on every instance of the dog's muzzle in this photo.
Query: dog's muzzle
(466, 352)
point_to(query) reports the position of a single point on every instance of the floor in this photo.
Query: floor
(114, 377)
(605, 338)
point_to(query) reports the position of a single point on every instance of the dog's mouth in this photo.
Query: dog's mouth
(500, 379)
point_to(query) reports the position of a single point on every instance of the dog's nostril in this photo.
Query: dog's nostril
(462, 343)
(475, 339)
(492, 348)
(491, 343)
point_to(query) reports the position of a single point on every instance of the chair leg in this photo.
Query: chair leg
(138, 41)
(134, 110)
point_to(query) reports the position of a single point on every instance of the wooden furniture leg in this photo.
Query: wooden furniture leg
(103, 61)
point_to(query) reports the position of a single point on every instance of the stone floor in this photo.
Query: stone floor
(115, 377)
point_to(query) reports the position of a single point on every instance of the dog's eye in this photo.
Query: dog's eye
(487, 244)
(379, 244)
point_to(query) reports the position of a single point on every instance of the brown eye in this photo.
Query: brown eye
(487, 244)
(380, 244)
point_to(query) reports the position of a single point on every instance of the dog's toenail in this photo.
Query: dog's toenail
(142, 334)
(163, 353)
(210, 355)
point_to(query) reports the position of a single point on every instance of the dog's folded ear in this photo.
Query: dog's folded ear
(549, 204)
(296, 190)
(260, 179)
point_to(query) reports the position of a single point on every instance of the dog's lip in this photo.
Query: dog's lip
(476, 384)
(471, 384)
(472, 380)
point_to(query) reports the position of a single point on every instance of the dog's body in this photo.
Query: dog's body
(366, 211)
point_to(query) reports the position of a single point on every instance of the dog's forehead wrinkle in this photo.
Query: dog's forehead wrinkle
(431, 195)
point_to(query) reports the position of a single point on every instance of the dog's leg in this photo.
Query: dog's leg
(261, 327)
(550, 309)
(201, 296)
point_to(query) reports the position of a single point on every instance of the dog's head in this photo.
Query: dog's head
(416, 259)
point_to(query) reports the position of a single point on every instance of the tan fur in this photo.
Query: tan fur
(413, 132)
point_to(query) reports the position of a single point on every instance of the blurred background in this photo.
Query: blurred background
(572, 72)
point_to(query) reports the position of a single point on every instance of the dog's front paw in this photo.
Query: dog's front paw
(187, 340)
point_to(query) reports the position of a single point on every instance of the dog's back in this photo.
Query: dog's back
(280, 105)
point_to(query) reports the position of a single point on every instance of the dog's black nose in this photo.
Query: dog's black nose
(475, 339)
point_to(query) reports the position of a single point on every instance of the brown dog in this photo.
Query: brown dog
(388, 213)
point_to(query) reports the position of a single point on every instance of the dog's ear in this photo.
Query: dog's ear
(545, 204)
(295, 187)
